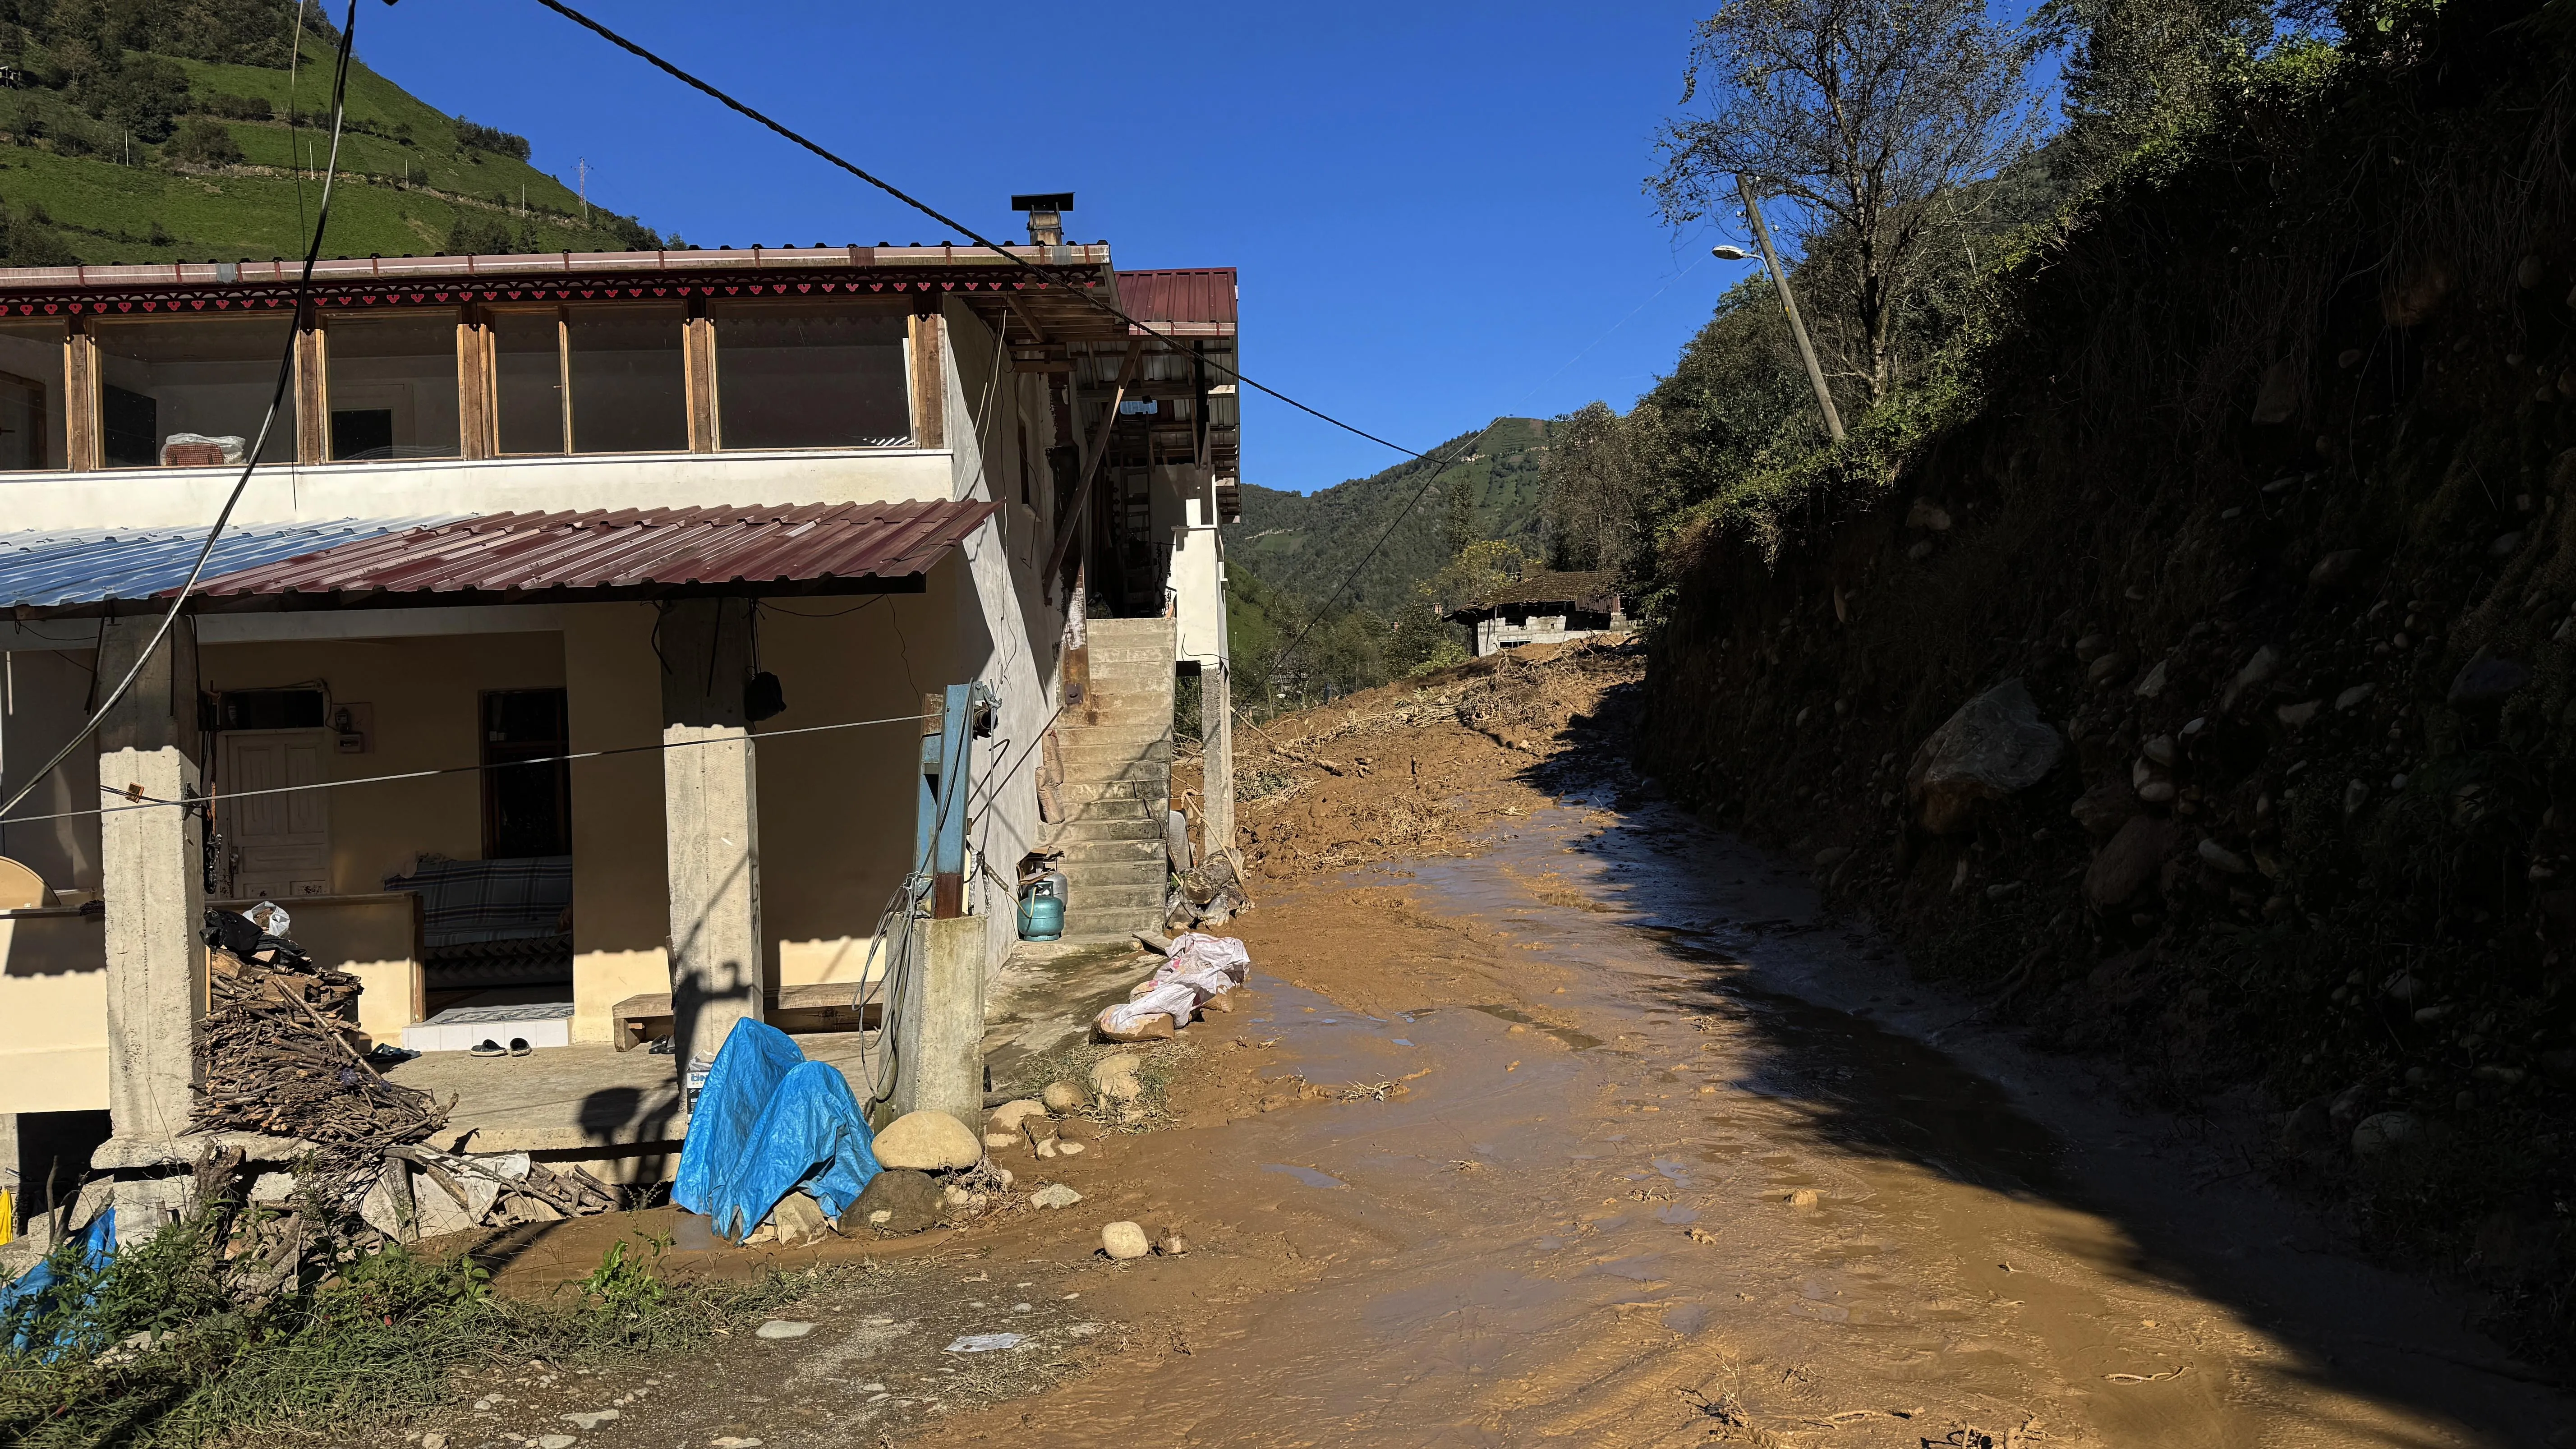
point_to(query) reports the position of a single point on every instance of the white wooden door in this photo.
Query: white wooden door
(279, 845)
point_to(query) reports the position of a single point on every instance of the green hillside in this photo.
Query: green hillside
(1302, 544)
(163, 130)
(1289, 556)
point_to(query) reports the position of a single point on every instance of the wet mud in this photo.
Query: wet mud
(1675, 1162)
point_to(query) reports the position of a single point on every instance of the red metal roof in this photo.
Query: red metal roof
(628, 553)
(1179, 296)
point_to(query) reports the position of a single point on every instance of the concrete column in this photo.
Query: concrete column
(152, 880)
(1216, 729)
(711, 824)
(939, 1024)
(152, 876)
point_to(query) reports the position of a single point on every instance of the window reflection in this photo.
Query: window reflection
(191, 391)
(809, 374)
(629, 378)
(527, 380)
(392, 385)
(31, 395)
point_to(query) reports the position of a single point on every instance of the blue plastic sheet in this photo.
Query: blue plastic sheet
(768, 1123)
(28, 1299)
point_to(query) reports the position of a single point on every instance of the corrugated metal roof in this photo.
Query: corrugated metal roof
(634, 553)
(1179, 297)
(90, 570)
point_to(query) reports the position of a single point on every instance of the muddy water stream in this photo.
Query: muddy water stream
(1674, 1163)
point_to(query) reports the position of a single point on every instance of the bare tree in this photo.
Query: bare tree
(1869, 115)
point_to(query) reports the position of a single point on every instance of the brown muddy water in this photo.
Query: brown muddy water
(1666, 1183)
(1602, 1138)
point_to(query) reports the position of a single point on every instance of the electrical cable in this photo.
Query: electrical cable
(250, 463)
(889, 188)
(150, 802)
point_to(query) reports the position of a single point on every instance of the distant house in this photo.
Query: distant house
(1543, 608)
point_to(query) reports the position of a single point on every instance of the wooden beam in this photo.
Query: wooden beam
(81, 450)
(929, 383)
(1092, 453)
(698, 362)
(475, 435)
(312, 394)
(1026, 320)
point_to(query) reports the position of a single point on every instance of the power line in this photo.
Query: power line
(250, 463)
(926, 209)
(153, 803)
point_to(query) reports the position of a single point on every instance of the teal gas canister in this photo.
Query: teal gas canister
(1042, 903)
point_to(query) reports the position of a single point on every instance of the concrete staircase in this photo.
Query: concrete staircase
(1117, 748)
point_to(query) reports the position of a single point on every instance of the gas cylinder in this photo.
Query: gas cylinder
(1042, 904)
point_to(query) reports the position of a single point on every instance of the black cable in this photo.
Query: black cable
(259, 445)
(926, 209)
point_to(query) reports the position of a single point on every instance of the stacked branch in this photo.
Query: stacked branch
(277, 1057)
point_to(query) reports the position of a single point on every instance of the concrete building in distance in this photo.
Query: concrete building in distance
(639, 568)
(1543, 608)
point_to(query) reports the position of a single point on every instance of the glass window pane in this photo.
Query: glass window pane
(527, 365)
(629, 379)
(392, 385)
(805, 374)
(31, 395)
(192, 390)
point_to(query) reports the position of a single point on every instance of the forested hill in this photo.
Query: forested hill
(160, 130)
(1303, 544)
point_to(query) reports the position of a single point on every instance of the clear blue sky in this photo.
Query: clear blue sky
(1434, 207)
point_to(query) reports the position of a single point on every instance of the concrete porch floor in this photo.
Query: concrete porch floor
(1048, 993)
(617, 1113)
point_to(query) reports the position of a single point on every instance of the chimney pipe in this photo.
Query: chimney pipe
(1046, 216)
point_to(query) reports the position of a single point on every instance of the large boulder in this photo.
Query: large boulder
(928, 1142)
(2130, 860)
(1996, 745)
(896, 1200)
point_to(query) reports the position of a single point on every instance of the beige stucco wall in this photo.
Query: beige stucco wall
(53, 1012)
(427, 696)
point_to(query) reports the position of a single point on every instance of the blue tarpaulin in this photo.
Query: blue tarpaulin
(31, 1297)
(768, 1123)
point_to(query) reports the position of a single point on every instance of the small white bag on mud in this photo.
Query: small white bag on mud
(1225, 952)
(1150, 1017)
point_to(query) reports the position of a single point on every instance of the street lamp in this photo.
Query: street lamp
(1788, 303)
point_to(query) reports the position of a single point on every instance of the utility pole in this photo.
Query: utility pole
(1788, 304)
(584, 172)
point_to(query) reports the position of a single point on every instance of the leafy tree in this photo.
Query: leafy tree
(201, 141)
(28, 239)
(2139, 71)
(1591, 481)
(1872, 117)
(140, 94)
(490, 138)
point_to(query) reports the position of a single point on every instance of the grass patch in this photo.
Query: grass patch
(1161, 1062)
(156, 1351)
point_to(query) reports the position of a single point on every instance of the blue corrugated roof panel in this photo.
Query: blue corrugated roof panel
(68, 567)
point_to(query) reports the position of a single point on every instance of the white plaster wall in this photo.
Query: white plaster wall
(190, 497)
(1005, 612)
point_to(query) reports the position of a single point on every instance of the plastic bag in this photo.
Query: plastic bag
(1222, 951)
(1156, 1014)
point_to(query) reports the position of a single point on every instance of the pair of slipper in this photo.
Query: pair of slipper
(487, 1047)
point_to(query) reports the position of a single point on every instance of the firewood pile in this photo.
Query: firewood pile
(280, 1056)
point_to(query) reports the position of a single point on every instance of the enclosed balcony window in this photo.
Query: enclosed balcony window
(31, 395)
(392, 385)
(190, 391)
(528, 380)
(810, 374)
(629, 378)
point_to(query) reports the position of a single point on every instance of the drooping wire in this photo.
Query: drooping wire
(250, 463)
(925, 208)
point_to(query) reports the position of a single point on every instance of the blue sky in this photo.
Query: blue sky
(1436, 208)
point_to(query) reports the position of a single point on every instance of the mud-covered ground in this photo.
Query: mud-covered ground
(1587, 1128)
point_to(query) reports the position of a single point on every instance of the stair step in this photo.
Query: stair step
(1117, 901)
(1111, 852)
(1114, 807)
(1116, 875)
(1108, 792)
(1139, 828)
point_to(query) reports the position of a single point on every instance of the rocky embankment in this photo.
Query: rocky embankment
(2206, 695)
